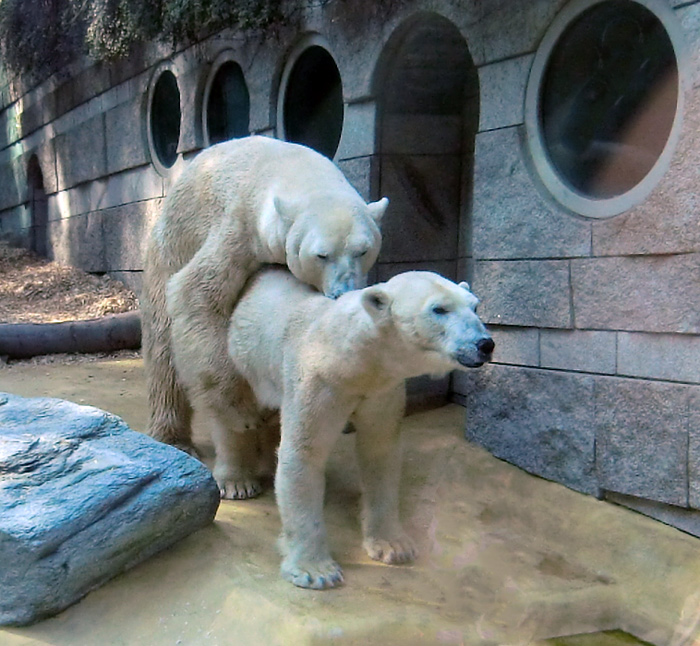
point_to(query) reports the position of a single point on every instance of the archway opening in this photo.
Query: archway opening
(427, 91)
(313, 101)
(227, 109)
(38, 208)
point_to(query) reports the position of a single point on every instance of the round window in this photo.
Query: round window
(164, 119)
(603, 105)
(312, 107)
(227, 101)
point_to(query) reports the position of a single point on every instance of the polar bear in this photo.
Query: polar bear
(323, 363)
(236, 206)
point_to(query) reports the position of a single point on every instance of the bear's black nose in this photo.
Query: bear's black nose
(486, 345)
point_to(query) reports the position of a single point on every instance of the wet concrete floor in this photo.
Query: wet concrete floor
(506, 558)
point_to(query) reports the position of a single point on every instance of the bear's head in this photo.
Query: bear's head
(332, 243)
(433, 319)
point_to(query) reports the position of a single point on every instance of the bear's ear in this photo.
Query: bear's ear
(377, 209)
(285, 209)
(465, 285)
(376, 302)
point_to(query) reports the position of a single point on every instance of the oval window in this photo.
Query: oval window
(227, 105)
(165, 119)
(313, 101)
(605, 107)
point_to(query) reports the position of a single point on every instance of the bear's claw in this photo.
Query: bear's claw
(239, 489)
(396, 551)
(313, 575)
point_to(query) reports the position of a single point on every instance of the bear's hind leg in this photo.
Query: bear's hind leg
(170, 413)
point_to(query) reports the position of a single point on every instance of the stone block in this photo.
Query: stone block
(538, 420)
(14, 225)
(502, 86)
(125, 232)
(78, 241)
(510, 218)
(422, 222)
(516, 346)
(135, 185)
(637, 294)
(36, 114)
(362, 173)
(82, 86)
(508, 30)
(358, 135)
(642, 438)
(13, 183)
(690, 22)
(666, 221)
(83, 499)
(524, 293)
(81, 153)
(668, 357)
(694, 447)
(579, 350)
(126, 142)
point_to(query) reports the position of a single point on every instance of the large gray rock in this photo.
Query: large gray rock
(83, 498)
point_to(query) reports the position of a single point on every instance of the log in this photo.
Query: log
(107, 334)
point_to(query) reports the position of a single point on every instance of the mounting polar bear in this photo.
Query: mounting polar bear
(236, 206)
(323, 363)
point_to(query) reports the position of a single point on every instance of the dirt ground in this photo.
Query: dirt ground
(36, 290)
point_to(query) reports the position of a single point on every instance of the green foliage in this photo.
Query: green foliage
(40, 36)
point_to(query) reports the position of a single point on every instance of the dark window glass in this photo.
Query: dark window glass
(313, 102)
(165, 118)
(608, 99)
(228, 107)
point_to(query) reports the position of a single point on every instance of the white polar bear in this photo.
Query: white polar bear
(236, 206)
(323, 363)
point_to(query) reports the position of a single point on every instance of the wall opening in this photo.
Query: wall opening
(603, 103)
(164, 119)
(38, 209)
(226, 103)
(311, 94)
(427, 92)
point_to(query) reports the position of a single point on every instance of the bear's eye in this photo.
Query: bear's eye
(322, 256)
(359, 254)
(439, 310)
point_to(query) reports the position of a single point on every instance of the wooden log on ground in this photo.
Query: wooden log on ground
(107, 334)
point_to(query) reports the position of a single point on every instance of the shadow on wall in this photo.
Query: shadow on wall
(428, 98)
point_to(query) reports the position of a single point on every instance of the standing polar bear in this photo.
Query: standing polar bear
(238, 205)
(323, 363)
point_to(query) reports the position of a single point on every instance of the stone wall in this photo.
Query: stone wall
(596, 380)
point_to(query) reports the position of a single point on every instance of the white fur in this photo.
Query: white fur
(324, 363)
(236, 206)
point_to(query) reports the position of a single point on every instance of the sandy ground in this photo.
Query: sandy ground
(506, 558)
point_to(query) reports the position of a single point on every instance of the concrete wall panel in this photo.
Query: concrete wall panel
(510, 217)
(644, 294)
(524, 293)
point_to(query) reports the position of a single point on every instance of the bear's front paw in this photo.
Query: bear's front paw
(239, 489)
(317, 575)
(393, 551)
